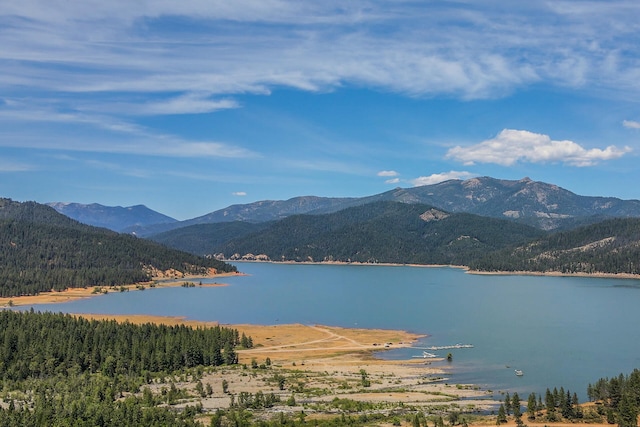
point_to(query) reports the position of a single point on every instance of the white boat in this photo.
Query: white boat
(519, 372)
(428, 355)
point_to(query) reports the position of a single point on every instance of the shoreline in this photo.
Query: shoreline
(557, 274)
(461, 267)
(334, 360)
(72, 294)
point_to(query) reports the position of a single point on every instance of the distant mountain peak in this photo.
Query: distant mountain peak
(115, 218)
(545, 206)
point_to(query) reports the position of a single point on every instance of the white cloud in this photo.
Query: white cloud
(440, 177)
(511, 146)
(388, 173)
(474, 51)
(392, 181)
(239, 193)
(105, 62)
(631, 124)
(191, 103)
(77, 131)
(11, 166)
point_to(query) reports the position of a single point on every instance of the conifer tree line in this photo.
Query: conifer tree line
(609, 246)
(37, 345)
(39, 257)
(61, 370)
(620, 397)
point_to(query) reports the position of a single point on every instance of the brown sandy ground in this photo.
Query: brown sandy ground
(323, 367)
(71, 294)
(322, 363)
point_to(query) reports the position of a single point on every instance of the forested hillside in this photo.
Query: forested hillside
(200, 239)
(611, 246)
(42, 250)
(381, 232)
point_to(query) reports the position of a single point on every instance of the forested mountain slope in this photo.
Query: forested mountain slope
(611, 246)
(43, 250)
(200, 239)
(381, 232)
(545, 206)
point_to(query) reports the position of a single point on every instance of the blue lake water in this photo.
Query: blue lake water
(561, 331)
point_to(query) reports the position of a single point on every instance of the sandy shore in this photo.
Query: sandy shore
(71, 294)
(556, 274)
(322, 363)
(461, 267)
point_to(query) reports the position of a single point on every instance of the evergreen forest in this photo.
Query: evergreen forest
(42, 250)
(611, 246)
(392, 232)
(61, 370)
(388, 232)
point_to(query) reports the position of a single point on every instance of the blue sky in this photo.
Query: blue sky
(191, 106)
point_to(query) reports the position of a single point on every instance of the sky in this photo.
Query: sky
(191, 106)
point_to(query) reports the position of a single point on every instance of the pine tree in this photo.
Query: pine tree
(502, 415)
(515, 406)
(532, 405)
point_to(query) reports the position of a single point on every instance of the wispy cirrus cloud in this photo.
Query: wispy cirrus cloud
(190, 103)
(91, 132)
(7, 165)
(105, 64)
(475, 50)
(631, 124)
(511, 146)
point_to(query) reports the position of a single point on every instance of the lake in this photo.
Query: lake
(560, 331)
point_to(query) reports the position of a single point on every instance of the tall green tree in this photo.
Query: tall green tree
(515, 406)
(502, 415)
(532, 406)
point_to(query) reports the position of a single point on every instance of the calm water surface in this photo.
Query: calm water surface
(561, 331)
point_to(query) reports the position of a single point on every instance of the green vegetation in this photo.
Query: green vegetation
(42, 250)
(619, 397)
(200, 239)
(56, 369)
(396, 233)
(59, 370)
(381, 232)
(36, 345)
(607, 247)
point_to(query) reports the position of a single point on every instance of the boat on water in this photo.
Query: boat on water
(428, 355)
(519, 372)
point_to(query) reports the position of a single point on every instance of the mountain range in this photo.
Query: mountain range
(483, 223)
(403, 233)
(116, 218)
(378, 232)
(542, 205)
